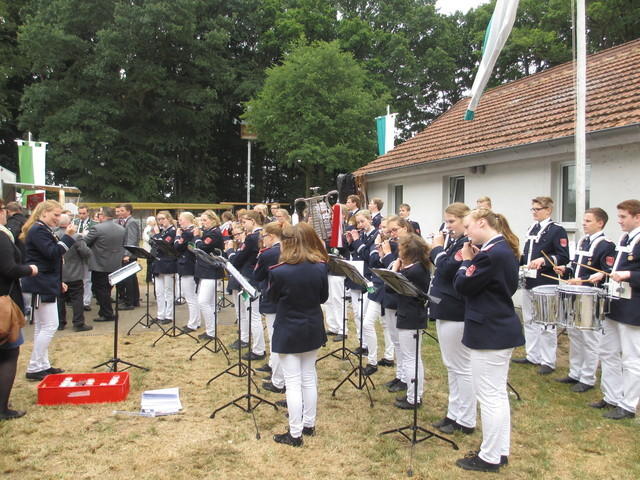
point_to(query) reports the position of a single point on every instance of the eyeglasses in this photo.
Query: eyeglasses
(534, 209)
(394, 229)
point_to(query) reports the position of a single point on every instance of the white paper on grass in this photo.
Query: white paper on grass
(164, 401)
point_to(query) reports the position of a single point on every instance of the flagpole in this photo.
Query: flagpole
(581, 101)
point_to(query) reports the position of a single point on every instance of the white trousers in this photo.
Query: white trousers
(302, 389)
(489, 371)
(207, 305)
(369, 336)
(390, 320)
(456, 357)
(45, 321)
(408, 352)
(277, 377)
(584, 347)
(541, 340)
(164, 295)
(620, 357)
(188, 287)
(334, 306)
(389, 345)
(257, 332)
(86, 281)
(356, 295)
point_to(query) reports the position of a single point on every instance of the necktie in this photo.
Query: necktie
(625, 240)
(586, 244)
(535, 230)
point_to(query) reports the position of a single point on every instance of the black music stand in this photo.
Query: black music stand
(343, 351)
(116, 278)
(354, 275)
(146, 320)
(218, 346)
(223, 302)
(173, 331)
(250, 293)
(401, 285)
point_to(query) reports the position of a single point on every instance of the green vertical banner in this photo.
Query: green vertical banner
(25, 164)
(381, 123)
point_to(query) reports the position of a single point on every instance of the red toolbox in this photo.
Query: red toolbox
(83, 388)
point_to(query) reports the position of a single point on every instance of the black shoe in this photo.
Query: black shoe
(618, 414)
(238, 344)
(442, 422)
(125, 307)
(282, 403)
(287, 439)
(361, 351)
(253, 356)
(38, 376)
(456, 427)
(13, 414)
(264, 368)
(398, 387)
(339, 338)
(165, 321)
(369, 370)
(523, 361)
(82, 328)
(474, 462)
(602, 404)
(62, 326)
(267, 378)
(392, 383)
(309, 431)
(204, 336)
(53, 371)
(272, 388)
(581, 387)
(188, 329)
(545, 370)
(383, 362)
(87, 308)
(404, 404)
(330, 333)
(567, 379)
(103, 319)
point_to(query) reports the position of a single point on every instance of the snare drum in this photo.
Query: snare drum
(545, 304)
(581, 307)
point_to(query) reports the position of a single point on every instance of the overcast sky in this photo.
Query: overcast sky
(450, 6)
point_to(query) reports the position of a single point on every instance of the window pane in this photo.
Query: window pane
(456, 189)
(397, 197)
(569, 191)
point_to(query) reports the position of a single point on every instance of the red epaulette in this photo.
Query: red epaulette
(276, 265)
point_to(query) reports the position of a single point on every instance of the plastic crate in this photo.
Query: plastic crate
(51, 393)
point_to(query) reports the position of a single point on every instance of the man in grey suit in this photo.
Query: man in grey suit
(105, 240)
(131, 290)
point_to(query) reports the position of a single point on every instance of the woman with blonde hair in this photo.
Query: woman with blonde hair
(299, 286)
(165, 267)
(44, 251)
(488, 278)
(187, 267)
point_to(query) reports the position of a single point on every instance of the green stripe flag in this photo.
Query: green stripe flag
(500, 25)
(31, 163)
(386, 127)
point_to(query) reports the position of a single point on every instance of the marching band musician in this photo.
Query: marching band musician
(356, 291)
(545, 239)
(405, 212)
(361, 244)
(270, 236)
(209, 239)
(244, 259)
(375, 207)
(596, 251)
(165, 268)
(298, 286)
(187, 267)
(488, 278)
(411, 316)
(620, 345)
(447, 307)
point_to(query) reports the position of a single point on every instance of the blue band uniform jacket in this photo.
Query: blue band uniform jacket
(267, 258)
(552, 239)
(210, 241)
(165, 263)
(245, 258)
(412, 312)
(447, 261)
(186, 259)
(628, 310)
(601, 254)
(488, 282)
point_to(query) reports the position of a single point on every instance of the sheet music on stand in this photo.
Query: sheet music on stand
(346, 268)
(219, 261)
(399, 283)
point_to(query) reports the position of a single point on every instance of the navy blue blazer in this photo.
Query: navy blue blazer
(187, 259)
(628, 310)
(45, 251)
(390, 297)
(165, 263)
(376, 220)
(298, 291)
(487, 283)
(210, 240)
(447, 262)
(266, 258)
(245, 258)
(603, 258)
(360, 249)
(412, 313)
(554, 242)
(375, 262)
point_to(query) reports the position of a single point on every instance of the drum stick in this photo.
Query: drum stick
(551, 262)
(554, 278)
(594, 269)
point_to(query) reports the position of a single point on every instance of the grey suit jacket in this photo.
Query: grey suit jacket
(106, 240)
(75, 260)
(132, 232)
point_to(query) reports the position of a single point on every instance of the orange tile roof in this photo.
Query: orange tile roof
(534, 109)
